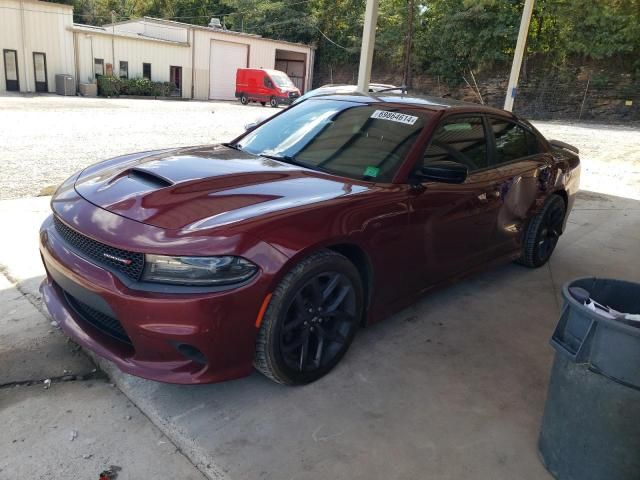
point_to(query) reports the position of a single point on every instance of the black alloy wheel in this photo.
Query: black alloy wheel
(543, 233)
(318, 322)
(244, 100)
(311, 320)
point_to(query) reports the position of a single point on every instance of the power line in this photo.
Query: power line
(58, 13)
(348, 49)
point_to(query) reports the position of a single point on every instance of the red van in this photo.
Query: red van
(265, 86)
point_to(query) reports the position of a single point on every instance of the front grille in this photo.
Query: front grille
(101, 253)
(106, 324)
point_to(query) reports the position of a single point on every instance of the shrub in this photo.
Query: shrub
(109, 86)
(140, 86)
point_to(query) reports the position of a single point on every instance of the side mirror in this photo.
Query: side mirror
(250, 126)
(444, 171)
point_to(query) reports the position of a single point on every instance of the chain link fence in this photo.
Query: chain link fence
(539, 96)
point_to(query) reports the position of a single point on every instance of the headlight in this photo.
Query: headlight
(197, 270)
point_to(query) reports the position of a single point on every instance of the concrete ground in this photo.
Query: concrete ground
(45, 138)
(61, 417)
(453, 387)
(450, 388)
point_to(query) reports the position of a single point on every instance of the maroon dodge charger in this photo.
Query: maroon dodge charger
(197, 264)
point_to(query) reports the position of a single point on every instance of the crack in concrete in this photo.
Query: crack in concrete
(208, 469)
(97, 375)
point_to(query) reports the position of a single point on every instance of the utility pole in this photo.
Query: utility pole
(518, 54)
(24, 51)
(368, 44)
(113, 46)
(406, 71)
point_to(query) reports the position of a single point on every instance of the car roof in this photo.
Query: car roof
(425, 102)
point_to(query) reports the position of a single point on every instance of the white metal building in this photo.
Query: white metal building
(36, 44)
(103, 50)
(217, 54)
(40, 40)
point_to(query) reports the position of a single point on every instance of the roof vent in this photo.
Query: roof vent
(215, 23)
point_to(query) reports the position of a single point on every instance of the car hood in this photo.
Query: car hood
(204, 187)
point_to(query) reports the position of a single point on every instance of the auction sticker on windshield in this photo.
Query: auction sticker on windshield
(394, 117)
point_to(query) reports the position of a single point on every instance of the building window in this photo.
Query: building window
(146, 70)
(98, 67)
(124, 69)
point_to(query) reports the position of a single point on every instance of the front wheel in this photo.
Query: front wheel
(273, 102)
(244, 100)
(311, 320)
(543, 232)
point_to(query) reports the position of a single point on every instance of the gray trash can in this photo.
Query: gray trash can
(591, 424)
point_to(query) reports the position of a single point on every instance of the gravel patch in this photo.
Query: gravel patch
(46, 138)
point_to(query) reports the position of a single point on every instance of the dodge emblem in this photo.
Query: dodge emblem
(123, 261)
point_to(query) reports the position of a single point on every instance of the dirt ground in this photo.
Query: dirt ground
(46, 138)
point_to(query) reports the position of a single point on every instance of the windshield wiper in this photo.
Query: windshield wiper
(285, 159)
(235, 146)
(292, 161)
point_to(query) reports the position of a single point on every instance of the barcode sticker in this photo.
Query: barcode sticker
(394, 117)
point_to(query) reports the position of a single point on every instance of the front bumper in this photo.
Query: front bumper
(220, 325)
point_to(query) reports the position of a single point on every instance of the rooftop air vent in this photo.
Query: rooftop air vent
(215, 23)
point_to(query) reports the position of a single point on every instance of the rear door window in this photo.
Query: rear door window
(513, 141)
(462, 140)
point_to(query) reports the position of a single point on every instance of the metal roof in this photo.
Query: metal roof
(208, 29)
(79, 27)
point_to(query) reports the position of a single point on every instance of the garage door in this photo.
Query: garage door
(225, 59)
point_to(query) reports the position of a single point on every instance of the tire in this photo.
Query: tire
(244, 100)
(273, 101)
(263, 103)
(543, 232)
(300, 340)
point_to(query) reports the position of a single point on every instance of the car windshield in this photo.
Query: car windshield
(281, 80)
(346, 138)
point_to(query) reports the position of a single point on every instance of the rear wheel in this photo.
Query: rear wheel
(273, 101)
(263, 103)
(311, 320)
(244, 100)
(543, 233)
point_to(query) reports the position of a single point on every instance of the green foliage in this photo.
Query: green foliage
(451, 36)
(110, 86)
(138, 86)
